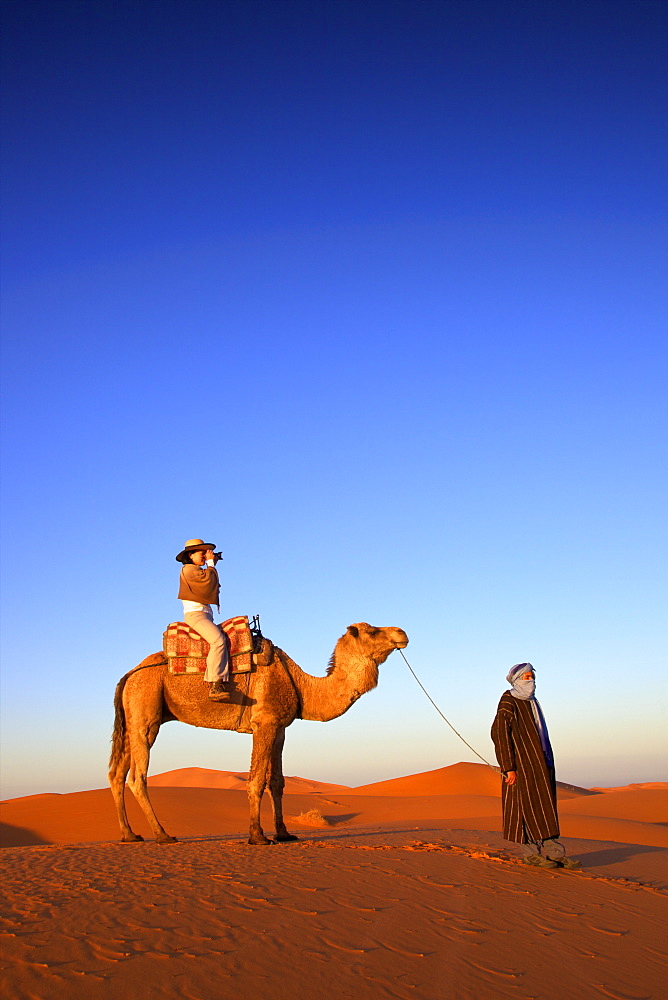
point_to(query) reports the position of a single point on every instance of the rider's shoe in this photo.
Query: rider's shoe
(220, 691)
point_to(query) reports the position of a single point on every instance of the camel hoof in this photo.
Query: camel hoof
(135, 838)
(285, 837)
(260, 841)
(166, 840)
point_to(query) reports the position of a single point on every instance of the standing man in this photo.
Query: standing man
(529, 790)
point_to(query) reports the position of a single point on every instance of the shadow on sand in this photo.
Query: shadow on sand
(613, 855)
(19, 836)
(341, 818)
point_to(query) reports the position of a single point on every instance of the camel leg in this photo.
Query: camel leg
(264, 737)
(141, 741)
(276, 786)
(117, 775)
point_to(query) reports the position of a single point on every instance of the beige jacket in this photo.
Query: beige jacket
(199, 583)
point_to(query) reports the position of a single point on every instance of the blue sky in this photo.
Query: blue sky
(371, 294)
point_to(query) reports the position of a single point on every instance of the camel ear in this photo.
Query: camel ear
(353, 630)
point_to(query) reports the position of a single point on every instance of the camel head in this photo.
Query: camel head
(377, 642)
(368, 643)
(352, 671)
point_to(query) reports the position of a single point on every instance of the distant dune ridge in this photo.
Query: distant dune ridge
(455, 779)
(198, 802)
(204, 777)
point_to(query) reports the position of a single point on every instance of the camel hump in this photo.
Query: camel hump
(154, 660)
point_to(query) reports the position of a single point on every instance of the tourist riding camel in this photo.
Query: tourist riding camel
(199, 589)
(275, 693)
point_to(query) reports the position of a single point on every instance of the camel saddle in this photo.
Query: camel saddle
(186, 650)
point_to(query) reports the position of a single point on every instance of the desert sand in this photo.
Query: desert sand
(402, 888)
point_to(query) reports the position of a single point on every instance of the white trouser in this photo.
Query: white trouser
(218, 661)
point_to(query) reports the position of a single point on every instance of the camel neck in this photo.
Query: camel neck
(326, 698)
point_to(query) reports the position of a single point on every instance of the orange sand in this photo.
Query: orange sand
(195, 802)
(404, 889)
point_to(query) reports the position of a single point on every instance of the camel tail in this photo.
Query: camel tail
(118, 735)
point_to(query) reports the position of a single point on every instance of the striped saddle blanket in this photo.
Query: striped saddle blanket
(186, 650)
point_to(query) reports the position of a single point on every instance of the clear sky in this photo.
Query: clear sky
(373, 296)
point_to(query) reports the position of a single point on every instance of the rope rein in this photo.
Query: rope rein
(444, 718)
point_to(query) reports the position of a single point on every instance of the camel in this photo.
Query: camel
(263, 703)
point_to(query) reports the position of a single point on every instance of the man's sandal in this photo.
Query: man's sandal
(538, 861)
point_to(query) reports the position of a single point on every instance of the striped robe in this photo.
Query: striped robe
(530, 805)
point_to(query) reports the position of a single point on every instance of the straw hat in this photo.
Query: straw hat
(194, 545)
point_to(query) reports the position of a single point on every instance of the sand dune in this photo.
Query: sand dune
(402, 888)
(456, 779)
(636, 784)
(198, 777)
(196, 802)
(203, 777)
(83, 817)
(464, 778)
(645, 805)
